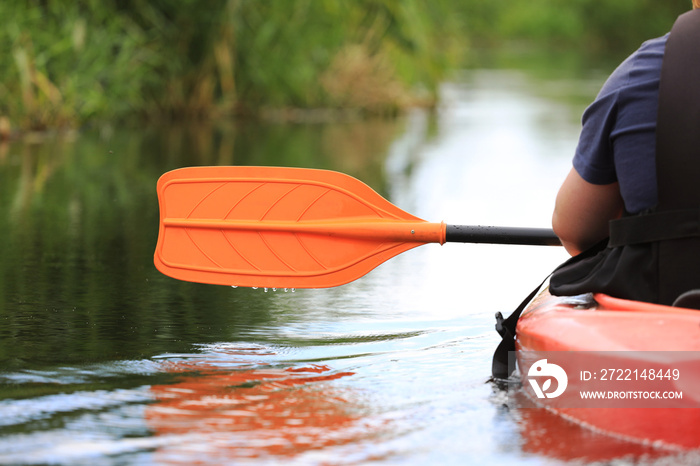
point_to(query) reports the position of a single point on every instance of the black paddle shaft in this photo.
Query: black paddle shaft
(501, 235)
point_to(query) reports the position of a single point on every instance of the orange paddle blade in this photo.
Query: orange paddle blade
(278, 227)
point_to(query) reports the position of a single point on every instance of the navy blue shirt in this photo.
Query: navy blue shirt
(618, 140)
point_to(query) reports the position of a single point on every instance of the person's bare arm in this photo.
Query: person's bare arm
(583, 210)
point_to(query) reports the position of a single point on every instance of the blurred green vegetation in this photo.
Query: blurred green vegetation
(581, 26)
(67, 63)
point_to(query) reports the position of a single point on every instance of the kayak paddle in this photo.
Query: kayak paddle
(293, 227)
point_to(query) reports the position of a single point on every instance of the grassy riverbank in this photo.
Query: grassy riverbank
(66, 64)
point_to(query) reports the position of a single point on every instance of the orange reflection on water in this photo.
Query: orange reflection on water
(548, 434)
(221, 414)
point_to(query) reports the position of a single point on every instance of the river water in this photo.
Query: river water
(103, 360)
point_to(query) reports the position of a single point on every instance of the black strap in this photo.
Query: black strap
(677, 131)
(656, 226)
(502, 365)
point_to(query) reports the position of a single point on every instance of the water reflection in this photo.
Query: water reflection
(105, 361)
(547, 434)
(245, 410)
(79, 216)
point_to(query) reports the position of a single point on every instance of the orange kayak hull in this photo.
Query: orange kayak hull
(612, 330)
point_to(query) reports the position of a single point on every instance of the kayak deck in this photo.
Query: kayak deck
(607, 332)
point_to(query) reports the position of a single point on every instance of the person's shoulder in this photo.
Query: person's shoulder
(656, 45)
(650, 51)
(644, 64)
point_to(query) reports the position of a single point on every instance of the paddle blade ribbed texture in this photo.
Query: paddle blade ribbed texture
(270, 227)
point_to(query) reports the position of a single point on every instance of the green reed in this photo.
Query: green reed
(67, 63)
